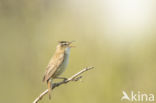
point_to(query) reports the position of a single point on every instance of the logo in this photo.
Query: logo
(137, 96)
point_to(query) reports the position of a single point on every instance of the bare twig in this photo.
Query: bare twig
(75, 77)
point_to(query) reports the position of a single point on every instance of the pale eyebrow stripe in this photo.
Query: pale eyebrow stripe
(64, 43)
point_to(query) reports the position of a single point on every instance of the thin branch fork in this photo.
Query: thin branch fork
(74, 77)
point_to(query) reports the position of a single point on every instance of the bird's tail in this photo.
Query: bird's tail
(49, 88)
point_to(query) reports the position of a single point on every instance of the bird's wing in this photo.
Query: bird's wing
(53, 65)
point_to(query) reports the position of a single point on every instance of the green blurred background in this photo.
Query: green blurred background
(117, 37)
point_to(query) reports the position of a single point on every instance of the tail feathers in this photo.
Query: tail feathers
(49, 89)
(49, 86)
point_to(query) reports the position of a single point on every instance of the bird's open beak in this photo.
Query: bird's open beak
(71, 46)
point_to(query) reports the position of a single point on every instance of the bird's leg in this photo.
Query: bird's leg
(61, 78)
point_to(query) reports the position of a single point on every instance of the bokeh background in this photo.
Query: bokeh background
(117, 37)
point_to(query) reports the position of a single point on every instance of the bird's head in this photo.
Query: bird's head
(65, 44)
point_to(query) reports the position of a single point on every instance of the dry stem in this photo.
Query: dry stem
(74, 77)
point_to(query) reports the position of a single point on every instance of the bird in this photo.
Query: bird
(57, 64)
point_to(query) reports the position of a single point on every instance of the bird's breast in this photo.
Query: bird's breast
(64, 64)
(66, 58)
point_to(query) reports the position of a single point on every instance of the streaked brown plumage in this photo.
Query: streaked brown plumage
(57, 63)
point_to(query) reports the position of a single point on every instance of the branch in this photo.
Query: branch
(75, 77)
